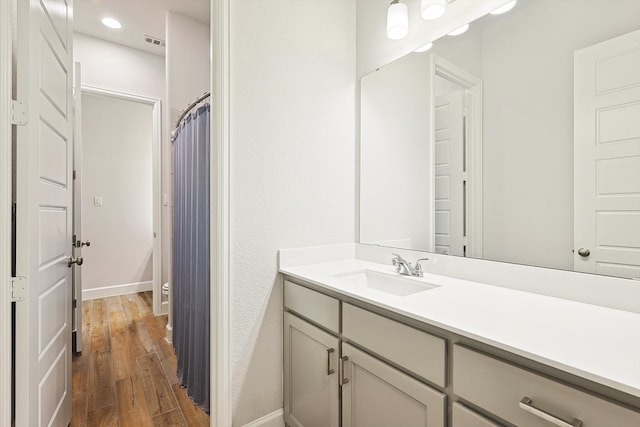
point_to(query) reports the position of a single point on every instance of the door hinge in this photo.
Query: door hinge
(18, 289)
(74, 174)
(74, 303)
(19, 114)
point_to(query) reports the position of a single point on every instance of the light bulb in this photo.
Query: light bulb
(424, 48)
(504, 8)
(397, 21)
(459, 30)
(111, 23)
(432, 9)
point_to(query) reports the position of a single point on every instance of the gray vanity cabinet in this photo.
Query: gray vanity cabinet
(376, 395)
(310, 375)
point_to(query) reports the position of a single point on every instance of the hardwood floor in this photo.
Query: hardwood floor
(126, 374)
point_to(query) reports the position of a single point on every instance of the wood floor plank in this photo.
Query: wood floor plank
(168, 360)
(79, 394)
(117, 323)
(140, 338)
(130, 308)
(103, 417)
(124, 359)
(172, 418)
(113, 303)
(132, 403)
(100, 335)
(159, 393)
(193, 414)
(87, 307)
(101, 381)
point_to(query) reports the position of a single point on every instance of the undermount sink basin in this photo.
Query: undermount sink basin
(388, 283)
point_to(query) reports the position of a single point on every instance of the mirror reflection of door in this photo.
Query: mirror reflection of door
(449, 158)
(607, 157)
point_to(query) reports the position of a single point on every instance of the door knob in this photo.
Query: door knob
(584, 252)
(73, 260)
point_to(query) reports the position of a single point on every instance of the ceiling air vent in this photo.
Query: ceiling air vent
(154, 41)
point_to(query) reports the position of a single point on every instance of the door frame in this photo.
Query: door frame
(156, 148)
(473, 133)
(6, 82)
(220, 322)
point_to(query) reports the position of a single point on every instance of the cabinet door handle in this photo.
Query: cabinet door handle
(342, 380)
(527, 404)
(329, 352)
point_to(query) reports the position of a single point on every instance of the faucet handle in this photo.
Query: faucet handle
(396, 258)
(418, 269)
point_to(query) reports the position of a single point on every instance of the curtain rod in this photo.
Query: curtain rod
(193, 104)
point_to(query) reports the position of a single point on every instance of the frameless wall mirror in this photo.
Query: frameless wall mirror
(517, 141)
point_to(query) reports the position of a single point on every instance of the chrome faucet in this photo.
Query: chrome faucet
(405, 268)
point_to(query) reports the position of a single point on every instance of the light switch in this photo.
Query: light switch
(97, 201)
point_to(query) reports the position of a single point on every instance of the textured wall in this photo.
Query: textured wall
(292, 168)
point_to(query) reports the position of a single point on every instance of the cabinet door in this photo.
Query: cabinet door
(310, 375)
(376, 395)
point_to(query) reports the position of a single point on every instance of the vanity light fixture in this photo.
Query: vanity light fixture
(459, 30)
(424, 48)
(504, 8)
(112, 23)
(397, 20)
(432, 9)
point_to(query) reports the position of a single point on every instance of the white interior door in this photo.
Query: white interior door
(78, 243)
(449, 184)
(607, 157)
(44, 217)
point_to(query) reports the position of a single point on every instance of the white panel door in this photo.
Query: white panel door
(376, 395)
(44, 218)
(449, 184)
(607, 157)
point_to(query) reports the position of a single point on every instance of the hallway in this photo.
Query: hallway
(126, 374)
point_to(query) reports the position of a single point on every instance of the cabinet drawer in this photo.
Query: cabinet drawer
(313, 305)
(414, 350)
(465, 417)
(499, 387)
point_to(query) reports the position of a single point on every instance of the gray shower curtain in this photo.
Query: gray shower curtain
(191, 253)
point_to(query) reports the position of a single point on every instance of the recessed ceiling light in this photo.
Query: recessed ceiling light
(459, 30)
(504, 8)
(112, 23)
(424, 48)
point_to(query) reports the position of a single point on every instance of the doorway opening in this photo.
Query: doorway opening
(456, 147)
(117, 194)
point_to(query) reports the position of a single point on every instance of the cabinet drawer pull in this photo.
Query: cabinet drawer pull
(329, 352)
(527, 404)
(342, 380)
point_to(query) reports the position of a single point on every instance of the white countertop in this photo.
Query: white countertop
(597, 343)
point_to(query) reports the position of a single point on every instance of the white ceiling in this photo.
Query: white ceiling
(138, 18)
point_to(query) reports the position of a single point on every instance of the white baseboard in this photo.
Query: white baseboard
(274, 419)
(115, 290)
